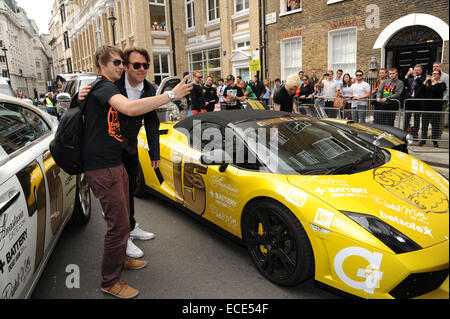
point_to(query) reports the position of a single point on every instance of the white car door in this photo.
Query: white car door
(31, 220)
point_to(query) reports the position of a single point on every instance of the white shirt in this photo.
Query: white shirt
(220, 90)
(330, 88)
(359, 89)
(133, 93)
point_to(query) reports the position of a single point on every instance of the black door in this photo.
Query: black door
(409, 56)
(414, 45)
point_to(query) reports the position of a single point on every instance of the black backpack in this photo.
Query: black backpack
(67, 146)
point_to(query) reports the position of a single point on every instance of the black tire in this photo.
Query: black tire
(277, 243)
(82, 210)
(141, 189)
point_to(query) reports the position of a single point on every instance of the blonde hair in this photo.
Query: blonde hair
(292, 81)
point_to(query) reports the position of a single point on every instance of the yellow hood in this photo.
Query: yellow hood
(405, 193)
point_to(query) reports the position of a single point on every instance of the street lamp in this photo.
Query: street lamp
(113, 19)
(4, 49)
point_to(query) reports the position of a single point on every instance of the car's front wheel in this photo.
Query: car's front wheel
(277, 243)
(82, 209)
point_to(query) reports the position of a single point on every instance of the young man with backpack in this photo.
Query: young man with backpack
(104, 143)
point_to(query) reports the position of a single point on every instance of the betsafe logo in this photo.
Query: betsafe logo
(371, 272)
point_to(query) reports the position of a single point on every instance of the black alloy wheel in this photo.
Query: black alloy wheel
(82, 209)
(277, 243)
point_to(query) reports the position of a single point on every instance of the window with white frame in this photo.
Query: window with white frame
(122, 18)
(290, 6)
(131, 17)
(161, 66)
(240, 5)
(212, 8)
(98, 31)
(190, 19)
(342, 50)
(207, 61)
(158, 15)
(291, 56)
(243, 45)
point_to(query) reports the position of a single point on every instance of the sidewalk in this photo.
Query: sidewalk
(438, 158)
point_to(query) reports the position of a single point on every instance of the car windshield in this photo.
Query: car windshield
(301, 145)
(6, 89)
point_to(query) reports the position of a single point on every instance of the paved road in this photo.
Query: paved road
(187, 260)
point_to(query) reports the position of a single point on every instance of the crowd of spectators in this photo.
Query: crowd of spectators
(344, 94)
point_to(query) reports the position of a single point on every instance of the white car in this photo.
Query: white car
(37, 198)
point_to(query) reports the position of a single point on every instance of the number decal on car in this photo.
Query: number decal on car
(55, 190)
(32, 180)
(193, 193)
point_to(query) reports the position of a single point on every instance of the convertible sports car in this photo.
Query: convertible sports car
(37, 198)
(309, 199)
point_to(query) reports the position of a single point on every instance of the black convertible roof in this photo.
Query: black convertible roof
(226, 117)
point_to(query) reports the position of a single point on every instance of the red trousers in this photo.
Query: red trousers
(110, 186)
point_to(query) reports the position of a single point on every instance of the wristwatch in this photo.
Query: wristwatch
(171, 95)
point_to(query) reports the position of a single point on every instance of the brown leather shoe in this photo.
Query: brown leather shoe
(134, 264)
(121, 290)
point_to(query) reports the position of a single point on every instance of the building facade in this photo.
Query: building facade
(60, 45)
(348, 35)
(217, 37)
(22, 48)
(229, 37)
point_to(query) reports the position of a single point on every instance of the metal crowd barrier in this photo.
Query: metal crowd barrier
(395, 114)
(426, 126)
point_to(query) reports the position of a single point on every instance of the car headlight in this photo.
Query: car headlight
(387, 234)
(409, 139)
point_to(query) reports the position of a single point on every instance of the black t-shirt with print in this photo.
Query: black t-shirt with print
(234, 104)
(284, 99)
(102, 135)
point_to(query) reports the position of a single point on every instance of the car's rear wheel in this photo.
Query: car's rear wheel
(277, 243)
(82, 209)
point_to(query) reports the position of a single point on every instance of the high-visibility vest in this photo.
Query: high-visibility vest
(48, 102)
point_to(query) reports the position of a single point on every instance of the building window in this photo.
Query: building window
(5, 73)
(62, 11)
(38, 65)
(98, 31)
(290, 6)
(342, 50)
(244, 45)
(66, 40)
(291, 56)
(130, 11)
(212, 8)
(190, 19)
(39, 75)
(158, 15)
(122, 18)
(207, 61)
(2, 58)
(69, 65)
(161, 66)
(240, 5)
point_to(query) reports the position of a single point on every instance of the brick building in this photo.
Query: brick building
(223, 37)
(348, 34)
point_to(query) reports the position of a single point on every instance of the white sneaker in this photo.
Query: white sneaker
(139, 234)
(133, 251)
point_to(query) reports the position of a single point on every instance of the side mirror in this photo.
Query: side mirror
(215, 157)
(63, 97)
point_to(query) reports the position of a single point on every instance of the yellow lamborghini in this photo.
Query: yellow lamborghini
(309, 199)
